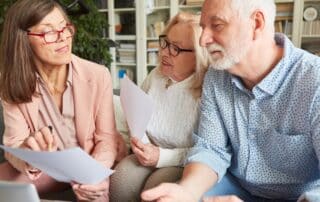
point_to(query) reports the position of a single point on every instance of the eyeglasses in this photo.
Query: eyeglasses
(174, 50)
(54, 36)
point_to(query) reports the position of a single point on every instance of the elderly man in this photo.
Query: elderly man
(258, 137)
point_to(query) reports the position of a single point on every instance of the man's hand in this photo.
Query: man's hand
(168, 192)
(147, 154)
(90, 192)
(229, 198)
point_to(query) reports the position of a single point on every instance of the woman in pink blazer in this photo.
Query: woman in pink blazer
(52, 100)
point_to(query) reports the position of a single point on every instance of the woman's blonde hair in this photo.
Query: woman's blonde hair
(202, 57)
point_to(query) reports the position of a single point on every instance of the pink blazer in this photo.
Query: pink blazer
(94, 116)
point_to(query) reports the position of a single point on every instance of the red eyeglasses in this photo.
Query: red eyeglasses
(54, 36)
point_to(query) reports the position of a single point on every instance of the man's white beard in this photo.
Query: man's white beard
(228, 58)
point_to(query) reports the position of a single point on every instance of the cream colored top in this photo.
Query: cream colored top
(174, 117)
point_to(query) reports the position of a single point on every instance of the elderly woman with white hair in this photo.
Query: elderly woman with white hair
(175, 86)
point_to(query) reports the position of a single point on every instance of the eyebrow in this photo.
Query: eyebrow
(220, 18)
(175, 42)
(215, 18)
(51, 25)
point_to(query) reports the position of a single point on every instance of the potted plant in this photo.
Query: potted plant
(88, 42)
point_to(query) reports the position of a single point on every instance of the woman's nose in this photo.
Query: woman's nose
(165, 51)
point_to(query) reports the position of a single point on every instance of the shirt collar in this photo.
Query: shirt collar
(272, 82)
(70, 73)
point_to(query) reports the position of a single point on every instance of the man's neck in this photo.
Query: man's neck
(257, 66)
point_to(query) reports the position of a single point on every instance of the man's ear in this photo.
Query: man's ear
(258, 23)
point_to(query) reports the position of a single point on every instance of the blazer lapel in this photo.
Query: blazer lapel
(33, 111)
(82, 94)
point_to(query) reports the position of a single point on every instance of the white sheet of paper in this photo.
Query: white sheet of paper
(64, 166)
(137, 106)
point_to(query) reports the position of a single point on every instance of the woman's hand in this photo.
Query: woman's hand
(228, 198)
(147, 154)
(42, 140)
(32, 172)
(90, 192)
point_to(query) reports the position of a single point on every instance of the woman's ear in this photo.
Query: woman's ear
(258, 23)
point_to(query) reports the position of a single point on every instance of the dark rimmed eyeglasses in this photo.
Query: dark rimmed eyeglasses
(54, 36)
(174, 50)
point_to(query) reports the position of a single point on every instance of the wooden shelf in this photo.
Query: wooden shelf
(118, 10)
(145, 16)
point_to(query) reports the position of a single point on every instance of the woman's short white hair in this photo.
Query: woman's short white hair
(246, 7)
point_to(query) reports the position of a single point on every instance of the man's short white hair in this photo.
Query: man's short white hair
(246, 7)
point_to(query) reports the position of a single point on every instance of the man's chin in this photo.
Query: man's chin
(221, 65)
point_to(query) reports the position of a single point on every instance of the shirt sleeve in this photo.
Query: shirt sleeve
(16, 131)
(105, 135)
(211, 139)
(172, 157)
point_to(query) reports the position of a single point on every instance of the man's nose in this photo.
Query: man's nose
(206, 38)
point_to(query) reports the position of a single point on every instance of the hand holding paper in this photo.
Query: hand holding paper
(71, 165)
(137, 106)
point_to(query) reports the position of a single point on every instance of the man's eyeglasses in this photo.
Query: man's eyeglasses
(174, 50)
(54, 36)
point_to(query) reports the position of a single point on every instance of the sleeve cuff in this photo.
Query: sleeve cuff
(209, 158)
(171, 157)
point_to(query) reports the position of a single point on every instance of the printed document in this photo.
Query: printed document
(137, 106)
(70, 165)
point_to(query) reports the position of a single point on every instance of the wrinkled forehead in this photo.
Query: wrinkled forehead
(216, 9)
(181, 33)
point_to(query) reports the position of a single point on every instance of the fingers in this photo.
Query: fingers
(137, 146)
(32, 172)
(93, 188)
(137, 151)
(32, 144)
(82, 196)
(229, 198)
(55, 143)
(42, 140)
(101, 187)
(90, 192)
(137, 143)
(48, 137)
(158, 192)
